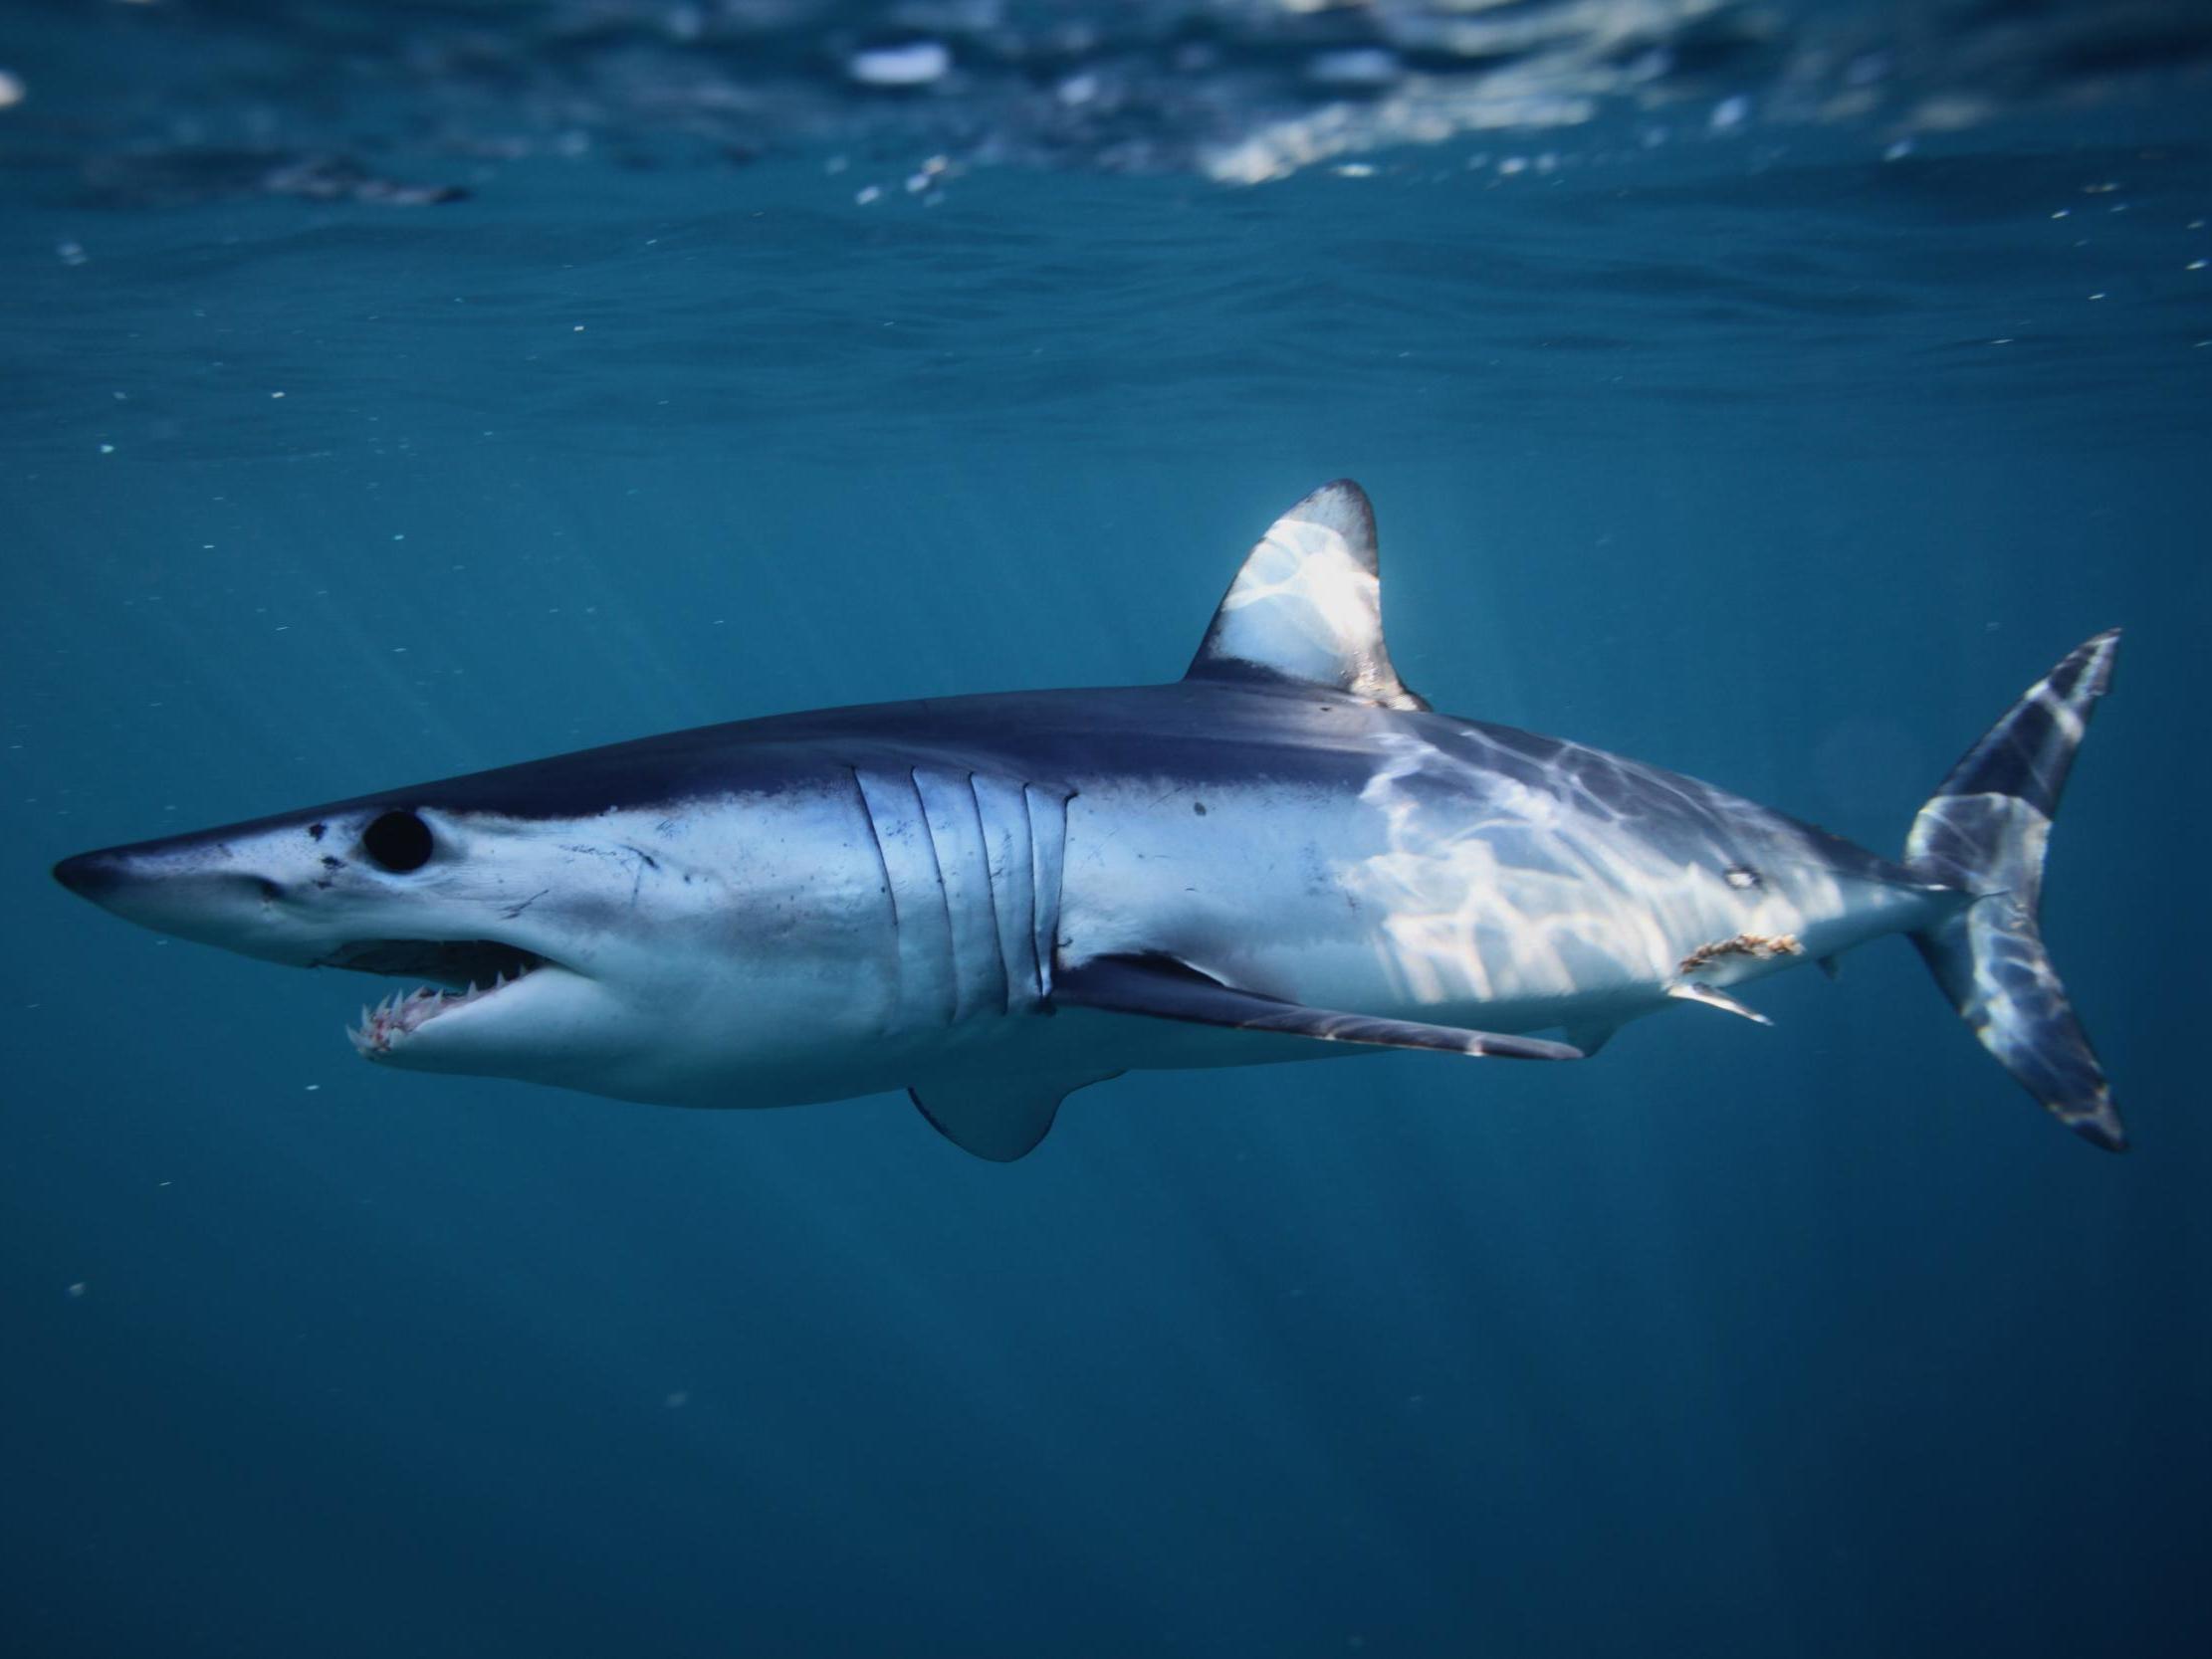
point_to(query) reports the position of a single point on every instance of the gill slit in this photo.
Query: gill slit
(991, 897)
(944, 899)
(875, 840)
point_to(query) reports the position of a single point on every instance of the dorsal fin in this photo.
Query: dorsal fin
(1307, 605)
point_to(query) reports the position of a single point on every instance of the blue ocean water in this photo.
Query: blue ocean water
(1781, 450)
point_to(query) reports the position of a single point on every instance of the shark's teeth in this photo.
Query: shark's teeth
(404, 1012)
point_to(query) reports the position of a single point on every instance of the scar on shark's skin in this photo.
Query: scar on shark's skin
(1743, 944)
(620, 850)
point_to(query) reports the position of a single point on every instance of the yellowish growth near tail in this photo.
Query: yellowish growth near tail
(1743, 944)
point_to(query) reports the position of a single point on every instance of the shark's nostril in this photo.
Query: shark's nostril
(270, 890)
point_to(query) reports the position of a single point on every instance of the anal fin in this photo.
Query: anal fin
(1690, 991)
(1160, 988)
(998, 1118)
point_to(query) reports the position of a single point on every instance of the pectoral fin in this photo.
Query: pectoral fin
(998, 1118)
(1160, 987)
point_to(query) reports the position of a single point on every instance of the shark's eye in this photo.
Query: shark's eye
(399, 842)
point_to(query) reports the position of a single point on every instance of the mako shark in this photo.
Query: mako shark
(994, 900)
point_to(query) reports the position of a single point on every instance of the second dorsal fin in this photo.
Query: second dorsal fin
(1307, 605)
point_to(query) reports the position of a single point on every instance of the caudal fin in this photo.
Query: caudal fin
(1984, 832)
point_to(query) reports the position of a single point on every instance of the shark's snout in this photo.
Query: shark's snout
(395, 892)
(188, 888)
(92, 874)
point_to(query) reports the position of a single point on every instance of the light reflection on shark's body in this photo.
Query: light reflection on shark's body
(1284, 855)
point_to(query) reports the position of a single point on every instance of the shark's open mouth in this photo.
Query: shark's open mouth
(464, 972)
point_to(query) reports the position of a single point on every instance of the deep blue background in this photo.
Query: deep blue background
(1817, 1340)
